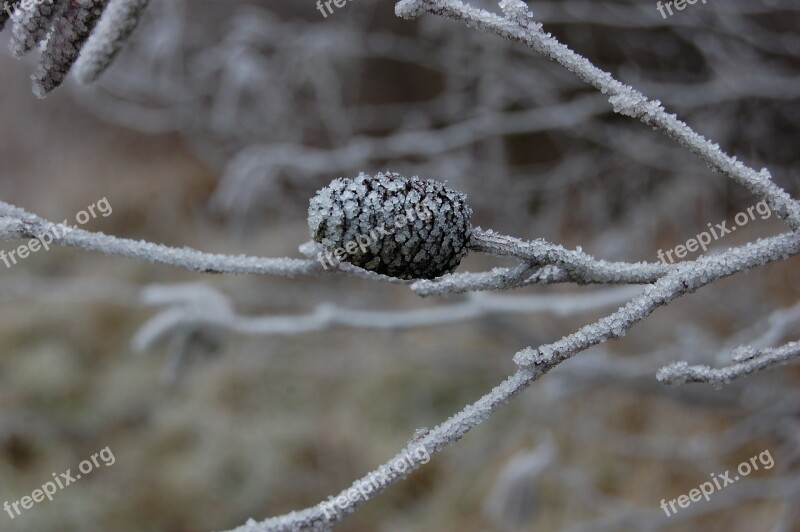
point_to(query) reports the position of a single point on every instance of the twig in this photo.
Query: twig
(686, 278)
(625, 99)
(679, 373)
(198, 306)
(16, 223)
(576, 265)
(536, 363)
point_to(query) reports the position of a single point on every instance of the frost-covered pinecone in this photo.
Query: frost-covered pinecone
(389, 224)
(65, 26)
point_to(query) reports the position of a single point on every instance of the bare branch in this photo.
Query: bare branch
(576, 266)
(199, 306)
(752, 361)
(625, 99)
(686, 278)
(16, 223)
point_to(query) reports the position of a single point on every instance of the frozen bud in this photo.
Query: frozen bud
(389, 224)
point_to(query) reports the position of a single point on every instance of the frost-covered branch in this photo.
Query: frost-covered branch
(686, 278)
(544, 263)
(16, 223)
(69, 32)
(518, 25)
(668, 283)
(199, 306)
(452, 430)
(495, 279)
(574, 265)
(749, 361)
(234, 109)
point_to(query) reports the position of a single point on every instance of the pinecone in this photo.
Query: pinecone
(389, 224)
(65, 26)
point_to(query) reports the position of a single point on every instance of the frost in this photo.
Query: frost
(67, 35)
(513, 9)
(116, 26)
(67, 28)
(352, 214)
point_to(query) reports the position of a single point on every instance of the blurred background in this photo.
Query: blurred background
(213, 129)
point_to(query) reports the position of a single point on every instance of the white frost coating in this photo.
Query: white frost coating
(625, 99)
(686, 278)
(542, 263)
(514, 9)
(67, 36)
(16, 223)
(68, 28)
(436, 439)
(537, 363)
(576, 266)
(9, 7)
(667, 285)
(753, 361)
(118, 22)
(198, 306)
(31, 24)
(405, 227)
(535, 257)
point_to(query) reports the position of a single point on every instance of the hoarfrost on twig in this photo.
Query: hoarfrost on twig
(625, 99)
(539, 261)
(755, 360)
(670, 283)
(198, 306)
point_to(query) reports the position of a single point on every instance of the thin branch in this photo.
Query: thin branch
(452, 430)
(200, 307)
(535, 363)
(555, 264)
(16, 223)
(753, 361)
(576, 266)
(543, 263)
(519, 26)
(458, 283)
(686, 278)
